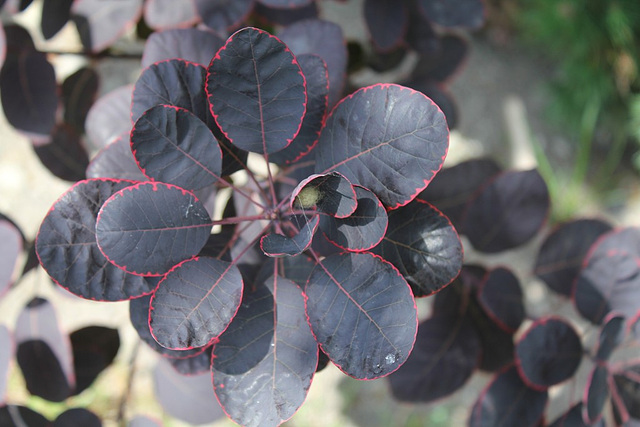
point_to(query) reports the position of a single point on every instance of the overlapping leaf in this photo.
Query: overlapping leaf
(100, 23)
(596, 394)
(77, 417)
(79, 91)
(466, 14)
(277, 245)
(573, 418)
(286, 17)
(440, 66)
(387, 22)
(193, 365)
(387, 138)
(330, 193)
(361, 295)
(116, 161)
(190, 44)
(161, 14)
(64, 153)
(611, 335)
(109, 117)
(11, 415)
(55, 14)
(223, 15)
(501, 297)
(94, 349)
(68, 249)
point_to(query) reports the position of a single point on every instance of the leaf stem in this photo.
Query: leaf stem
(127, 391)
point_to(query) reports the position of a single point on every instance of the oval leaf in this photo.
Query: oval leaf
(190, 44)
(424, 246)
(77, 417)
(161, 14)
(573, 418)
(193, 365)
(94, 349)
(611, 335)
(64, 154)
(100, 23)
(256, 91)
(68, 250)
(172, 145)
(55, 14)
(548, 353)
(596, 394)
(362, 314)
(14, 415)
(78, 94)
(148, 228)
(277, 245)
(465, 14)
(195, 303)
(501, 297)
(116, 161)
(387, 138)
(223, 15)
(109, 117)
(35, 358)
(387, 22)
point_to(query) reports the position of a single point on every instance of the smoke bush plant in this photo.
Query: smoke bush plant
(324, 251)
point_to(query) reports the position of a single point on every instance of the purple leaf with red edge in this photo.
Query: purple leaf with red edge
(611, 335)
(627, 386)
(6, 354)
(286, 4)
(77, 417)
(507, 211)
(188, 398)
(12, 244)
(139, 314)
(79, 92)
(452, 187)
(193, 365)
(610, 277)
(501, 297)
(163, 14)
(256, 91)
(172, 145)
(326, 40)
(361, 295)
(286, 17)
(465, 13)
(190, 44)
(116, 161)
(94, 349)
(29, 92)
(278, 245)
(444, 63)
(109, 117)
(64, 154)
(561, 255)
(68, 250)
(272, 391)
(421, 36)
(423, 245)
(223, 15)
(387, 22)
(55, 14)
(43, 375)
(446, 353)
(100, 23)
(148, 228)
(317, 80)
(573, 418)
(363, 229)
(195, 303)
(331, 193)
(14, 415)
(508, 401)
(548, 353)
(596, 394)
(18, 40)
(443, 98)
(172, 82)
(387, 138)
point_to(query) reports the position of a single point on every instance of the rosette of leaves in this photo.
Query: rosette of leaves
(323, 247)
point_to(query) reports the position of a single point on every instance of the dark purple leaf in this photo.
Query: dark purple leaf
(273, 389)
(150, 227)
(256, 91)
(421, 36)
(507, 401)
(172, 82)
(14, 415)
(363, 229)
(223, 15)
(109, 117)
(79, 92)
(139, 315)
(278, 245)
(361, 295)
(11, 246)
(610, 277)
(424, 246)
(6, 354)
(188, 398)
(326, 40)
(446, 353)
(55, 14)
(501, 297)
(442, 97)
(387, 138)
(452, 187)
(29, 92)
(94, 349)
(596, 394)
(64, 155)
(24, 4)
(611, 335)
(190, 44)
(195, 303)
(116, 161)
(77, 417)
(464, 13)
(332, 194)
(442, 64)
(563, 251)
(163, 14)
(381, 62)
(286, 4)
(573, 418)
(42, 372)
(68, 251)
(387, 22)
(295, 268)
(317, 81)
(548, 353)
(101, 22)
(193, 365)
(172, 145)
(286, 16)
(18, 40)
(627, 384)
(507, 211)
